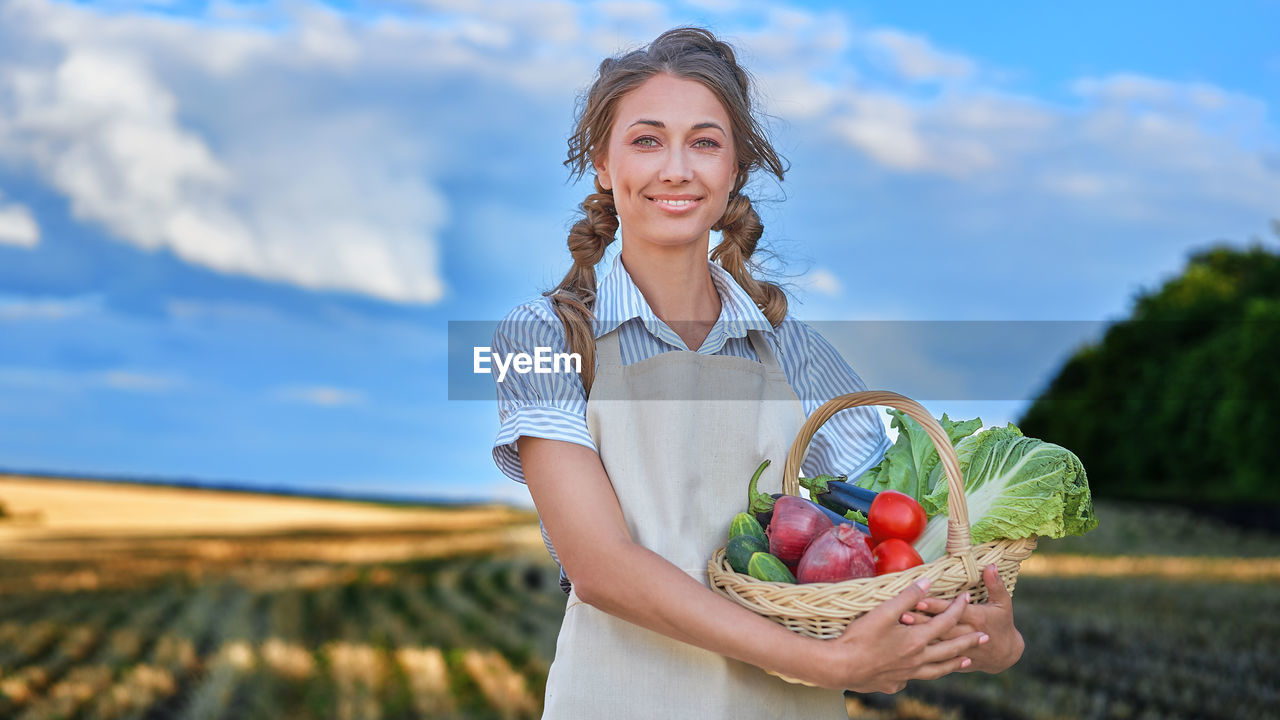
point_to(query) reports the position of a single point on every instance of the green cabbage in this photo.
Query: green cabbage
(1015, 486)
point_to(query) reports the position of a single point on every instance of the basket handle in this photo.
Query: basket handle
(958, 538)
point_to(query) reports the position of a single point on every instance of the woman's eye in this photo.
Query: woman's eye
(645, 141)
(706, 143)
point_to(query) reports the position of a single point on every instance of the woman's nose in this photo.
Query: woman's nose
(676, 168)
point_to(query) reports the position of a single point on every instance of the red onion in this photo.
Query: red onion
(838, 554)
(795, 523)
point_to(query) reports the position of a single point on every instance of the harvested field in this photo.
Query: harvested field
(144, 602)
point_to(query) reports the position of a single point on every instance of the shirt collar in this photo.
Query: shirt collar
(618, 299)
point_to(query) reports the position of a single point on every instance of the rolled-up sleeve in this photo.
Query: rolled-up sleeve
(546, 405)
(852, 441)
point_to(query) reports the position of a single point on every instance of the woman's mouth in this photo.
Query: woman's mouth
(675, 204)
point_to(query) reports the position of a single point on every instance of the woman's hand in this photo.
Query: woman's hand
(993, 617)
(877, 653)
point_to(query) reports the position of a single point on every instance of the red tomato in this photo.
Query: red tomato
(896, 515)
(894, 555)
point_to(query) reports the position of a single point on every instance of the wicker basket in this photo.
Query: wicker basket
(823, 610)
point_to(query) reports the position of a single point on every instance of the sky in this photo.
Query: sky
(233, 235)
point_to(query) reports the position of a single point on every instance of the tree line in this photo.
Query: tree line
(1180, 401)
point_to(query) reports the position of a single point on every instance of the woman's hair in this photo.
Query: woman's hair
(691, 54)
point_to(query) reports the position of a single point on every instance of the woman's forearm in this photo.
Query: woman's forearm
(642, 587)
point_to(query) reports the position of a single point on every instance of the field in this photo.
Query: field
(122, 601)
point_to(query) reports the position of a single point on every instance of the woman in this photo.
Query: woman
(636, 465)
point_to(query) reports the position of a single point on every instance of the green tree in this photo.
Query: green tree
(1181, 401)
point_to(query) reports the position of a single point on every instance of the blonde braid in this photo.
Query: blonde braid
(740, 229)
(574, 299)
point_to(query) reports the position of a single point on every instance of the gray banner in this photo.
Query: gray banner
(935, 360)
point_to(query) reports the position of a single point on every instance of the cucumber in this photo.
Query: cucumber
(764, 566)
(746, 524)
(741, 548)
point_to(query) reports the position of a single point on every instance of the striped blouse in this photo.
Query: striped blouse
(554, 405)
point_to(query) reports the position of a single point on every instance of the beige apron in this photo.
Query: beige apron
(679, 435)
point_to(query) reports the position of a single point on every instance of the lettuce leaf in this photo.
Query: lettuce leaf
(910, 465)
(1015, 487)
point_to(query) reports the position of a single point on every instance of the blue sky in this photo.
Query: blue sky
(232, 235)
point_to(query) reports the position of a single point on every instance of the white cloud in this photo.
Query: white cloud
(103, 131)
(344, 210)
(325, 35)
(883, 126)
(983, 110)
(958, 131)
(302, 145)
(321, 395)
(238, 312)
(719, 6)
(797, 97)
(321, 197)
(787, 39)
(1077, 184)
(18, 226)
(1139, 142)
(137, 381)
(56, 380)
(915, 59)
(19, 308)
(898, 135)
(643, 12)
(1134, 88)
(1127, 148)
(823, 281)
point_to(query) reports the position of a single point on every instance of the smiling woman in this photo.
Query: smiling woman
(693, 371)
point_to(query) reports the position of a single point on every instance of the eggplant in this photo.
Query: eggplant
(832, 491)
(830, 505)
(766, 516)
(760, 504)
(839, 519)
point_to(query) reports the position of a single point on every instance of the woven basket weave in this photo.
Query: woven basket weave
(824, 610)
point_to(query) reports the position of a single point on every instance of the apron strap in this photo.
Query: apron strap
(608, 354)
(765, 353)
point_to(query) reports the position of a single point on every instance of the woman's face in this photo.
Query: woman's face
(670, 161)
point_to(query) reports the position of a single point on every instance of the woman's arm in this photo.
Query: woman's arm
(611, 572)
